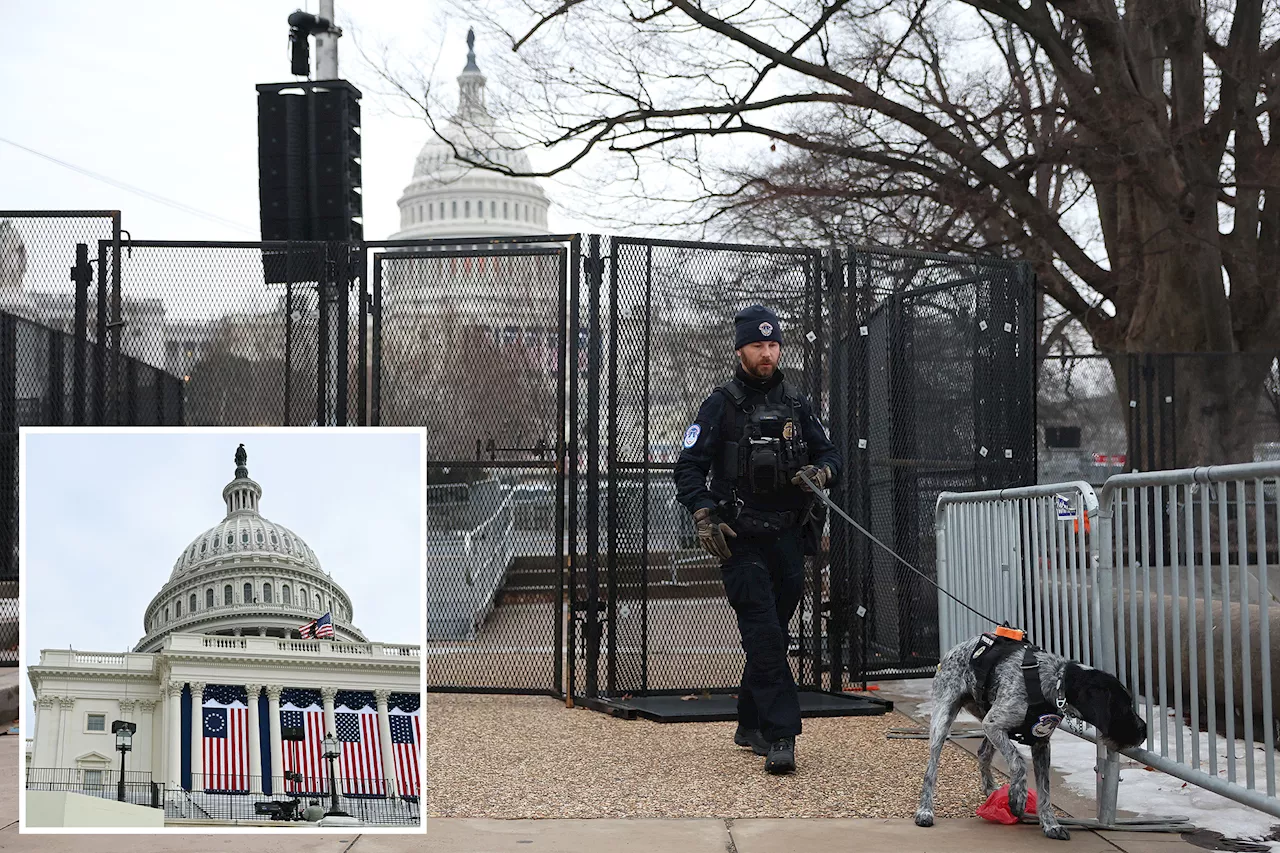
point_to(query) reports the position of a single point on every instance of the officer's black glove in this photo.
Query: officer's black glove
(711, 533)
(819, 476)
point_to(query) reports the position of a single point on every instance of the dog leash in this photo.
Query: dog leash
(822, 496)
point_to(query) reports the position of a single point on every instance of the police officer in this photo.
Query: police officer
(755, 434)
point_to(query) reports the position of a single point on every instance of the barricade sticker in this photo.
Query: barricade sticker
(1066, 507)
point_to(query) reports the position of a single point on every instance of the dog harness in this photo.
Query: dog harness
(1043, 716)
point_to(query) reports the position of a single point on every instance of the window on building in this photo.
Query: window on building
(493, 210)
(192, 607)
(285, 596)
(228, 597)
(442, 210)
(505, 213)
(93, 778)
(231, 539)
(317, 601)
(431, 212)
(97, 723)
(204, 546)
(166, 614)
(244, 538)
(177, 610)
(466, 209)
(453, 209)
(208, 599)
(260, 538)
(248, 593)
(266, 593)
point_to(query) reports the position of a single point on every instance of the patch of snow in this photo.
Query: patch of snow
(1150, 792)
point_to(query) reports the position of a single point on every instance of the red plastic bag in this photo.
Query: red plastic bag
(996, 808)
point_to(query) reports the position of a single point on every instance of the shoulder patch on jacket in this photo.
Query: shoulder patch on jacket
(691, 435)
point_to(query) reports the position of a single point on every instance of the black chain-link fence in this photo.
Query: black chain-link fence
(664, 341)
(935, 371)
(1101, 415)
(59, 360)
(468, 341)
(555, 376)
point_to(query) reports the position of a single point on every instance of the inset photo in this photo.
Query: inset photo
(222, 628)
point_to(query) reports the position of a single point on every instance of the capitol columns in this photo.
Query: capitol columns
(66, 725)
(327, 695)
(382, 697)
(255, 740)
(173, 719)
(197, 736)
(46, 732)
(277, 748)
(146, 728)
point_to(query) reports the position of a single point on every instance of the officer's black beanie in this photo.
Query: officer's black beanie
(755, 323)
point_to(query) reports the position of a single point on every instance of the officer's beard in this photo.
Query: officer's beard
(760, 369)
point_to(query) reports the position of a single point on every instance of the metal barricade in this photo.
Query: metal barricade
(1193, 613)
(1163, 579)
(1021, 555)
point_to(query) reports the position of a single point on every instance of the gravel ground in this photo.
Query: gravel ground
(531, 757)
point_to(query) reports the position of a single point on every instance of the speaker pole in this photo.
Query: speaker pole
(327, 45)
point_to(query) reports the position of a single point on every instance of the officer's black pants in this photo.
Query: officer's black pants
(764, 581)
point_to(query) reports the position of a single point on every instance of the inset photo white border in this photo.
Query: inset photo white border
(131, 514)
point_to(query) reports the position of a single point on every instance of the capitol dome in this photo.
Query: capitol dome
(448, 198)
(246, 575)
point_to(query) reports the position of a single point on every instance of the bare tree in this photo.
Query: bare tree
(1124, 148)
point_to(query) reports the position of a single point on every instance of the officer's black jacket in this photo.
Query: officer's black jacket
(695, 462)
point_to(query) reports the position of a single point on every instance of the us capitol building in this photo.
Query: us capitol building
(460, 284)
(228, 699)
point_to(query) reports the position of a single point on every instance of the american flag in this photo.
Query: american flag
(406, 740)
(361, 761)
(226, 738)
(301, 709)
(321, 628)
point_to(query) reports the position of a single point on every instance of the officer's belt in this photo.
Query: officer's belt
(750, 521)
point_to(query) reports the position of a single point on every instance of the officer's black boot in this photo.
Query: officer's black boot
(782, 756)
(751, 738)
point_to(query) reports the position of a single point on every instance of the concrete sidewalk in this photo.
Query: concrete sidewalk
(697, 835)
(709, 835)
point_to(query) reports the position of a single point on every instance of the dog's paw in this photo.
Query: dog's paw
(1017, 800)
(924, 817)
(1057, 832)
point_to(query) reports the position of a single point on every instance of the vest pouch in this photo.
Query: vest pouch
(763, 469)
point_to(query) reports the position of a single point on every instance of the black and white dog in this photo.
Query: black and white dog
(1000, 700)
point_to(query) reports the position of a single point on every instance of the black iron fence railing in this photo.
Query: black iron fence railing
(135, 786)
(233, 796)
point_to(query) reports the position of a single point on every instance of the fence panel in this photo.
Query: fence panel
(1021, 556)
(469, 341)
(665, 343)
(938, 354)
(1193, 620)
(1166, 579)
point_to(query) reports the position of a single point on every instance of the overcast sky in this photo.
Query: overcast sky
(108, 514)
(160, 95)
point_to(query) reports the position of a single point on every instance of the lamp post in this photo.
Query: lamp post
(331, 752)
(124, 743)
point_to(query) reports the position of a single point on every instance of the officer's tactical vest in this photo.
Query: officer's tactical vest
(764, 444)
